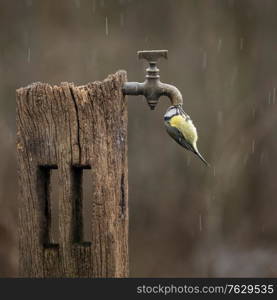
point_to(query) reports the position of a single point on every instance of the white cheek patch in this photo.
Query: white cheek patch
(171, 113)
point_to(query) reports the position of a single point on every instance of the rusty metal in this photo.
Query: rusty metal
(152, 88)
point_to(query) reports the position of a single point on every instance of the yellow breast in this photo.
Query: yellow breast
(186, 127)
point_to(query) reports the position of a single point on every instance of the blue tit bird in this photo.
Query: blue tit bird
(180, 127)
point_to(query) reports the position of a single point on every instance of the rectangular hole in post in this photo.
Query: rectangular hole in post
(82, 201)
(48, 197)
(122, 202)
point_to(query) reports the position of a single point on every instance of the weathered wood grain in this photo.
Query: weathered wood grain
(67, 127)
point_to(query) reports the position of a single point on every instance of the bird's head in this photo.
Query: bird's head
(171, 111)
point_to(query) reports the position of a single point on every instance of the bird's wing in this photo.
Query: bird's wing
(178, 137)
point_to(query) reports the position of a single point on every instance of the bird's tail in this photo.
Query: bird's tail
(201, 157)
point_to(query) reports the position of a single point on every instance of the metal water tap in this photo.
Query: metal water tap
(152, 88)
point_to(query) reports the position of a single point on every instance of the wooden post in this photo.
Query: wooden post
(63, 133)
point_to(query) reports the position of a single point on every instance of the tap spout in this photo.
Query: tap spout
(153, 90)
(172, 93)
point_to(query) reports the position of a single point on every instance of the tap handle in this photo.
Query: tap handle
(152, 56)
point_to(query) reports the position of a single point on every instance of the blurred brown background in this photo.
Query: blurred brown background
(185, 219)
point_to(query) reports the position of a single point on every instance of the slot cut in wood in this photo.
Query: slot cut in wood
(82, 193)
(48, 190)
